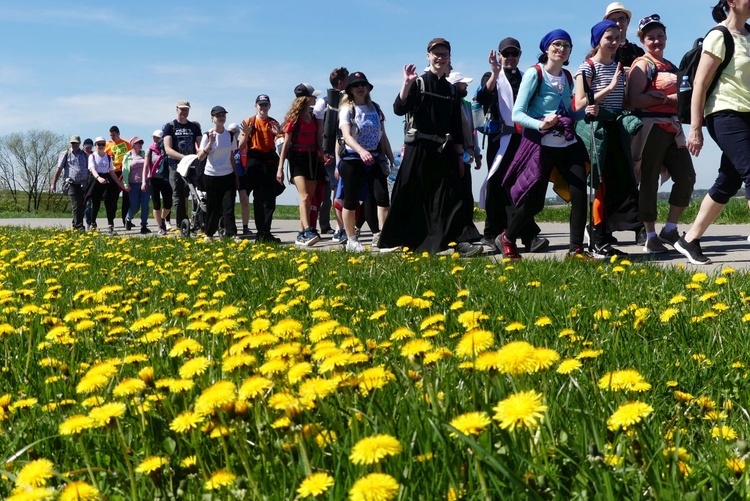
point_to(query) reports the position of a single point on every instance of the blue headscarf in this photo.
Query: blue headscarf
(552, 36)
(597, 32)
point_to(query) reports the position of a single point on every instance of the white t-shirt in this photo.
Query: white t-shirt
(366, 128)
(101, 164)
(219, 161)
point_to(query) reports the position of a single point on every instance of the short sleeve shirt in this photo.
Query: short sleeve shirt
(602, 78)
(219, 161)
(366, 125)
(117, 151)
(183, 138)
(733, 89)
(306, 136)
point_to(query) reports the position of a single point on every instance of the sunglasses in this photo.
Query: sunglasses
(100, 144)
(510, 53)
(358, 84)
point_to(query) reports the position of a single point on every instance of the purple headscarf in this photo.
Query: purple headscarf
(552, 36)
(597, 32)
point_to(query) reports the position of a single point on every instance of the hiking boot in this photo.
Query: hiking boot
(669, 237)
(467, 249)
(641, 236)
(537, 245)
(128, 224)
(145, 230)
(691, 250)
(353, 245)
(311, 237)
(507, 248)
(605, 251)
(654, 246)
(111, 231)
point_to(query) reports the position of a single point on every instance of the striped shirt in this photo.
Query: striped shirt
(602, 78)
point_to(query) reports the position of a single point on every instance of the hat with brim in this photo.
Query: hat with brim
(617, 7)
(217, 110)
(438, 41)
(75, 139)
(357, 77)
(100, 139)
(652, 20)
(135, 139)
(158, 133)
(457, 77)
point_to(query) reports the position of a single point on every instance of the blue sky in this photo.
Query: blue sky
(81, 69)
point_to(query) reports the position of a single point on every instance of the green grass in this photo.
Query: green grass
(144, 307)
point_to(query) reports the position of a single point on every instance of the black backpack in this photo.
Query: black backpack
(689, 65)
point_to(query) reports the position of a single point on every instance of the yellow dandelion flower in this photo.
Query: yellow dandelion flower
(35, 473)
(699, 277)
(253, 387)
(416, 347)
(543, 322)
(148, 323)
(474, 342)
(683, 397)
(317, 388)
(79, 491)
(374, 487)
(23, 403)
(404, 301)
(298, 372)
(628, 414)
(514, 326)
(315, 485)
(129, 387)
(470, 319)
(602, 314)
(373, 449)
(589, 353)
(219, 479)
(736, 465)
(723, 433)
(524, 409)
(569, 365)
(401, 333)
(287, 328)
(374, 378)
(31, 494)
(325, 438)
(624, 380)
(376, 315)
(194, 367)
(105, 413)
(217, 395)
(185, 345)
(185, 422)
(470, 423)
(668, 314)
(151, 464)
(431, 321)
(189, 462)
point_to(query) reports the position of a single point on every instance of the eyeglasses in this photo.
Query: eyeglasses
(510, 53)
(441, 55)
(562, 46)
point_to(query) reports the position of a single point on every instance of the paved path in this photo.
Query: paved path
(725, 245)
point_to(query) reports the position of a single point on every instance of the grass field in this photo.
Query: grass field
(183, 370)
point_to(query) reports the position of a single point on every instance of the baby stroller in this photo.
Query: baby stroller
(189, 169)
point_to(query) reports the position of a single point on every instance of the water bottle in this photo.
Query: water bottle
(685, 84)
(394, 172)
(466, 157)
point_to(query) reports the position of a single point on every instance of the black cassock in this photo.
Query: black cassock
(429, 208)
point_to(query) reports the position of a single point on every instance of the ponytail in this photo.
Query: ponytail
(720, 11)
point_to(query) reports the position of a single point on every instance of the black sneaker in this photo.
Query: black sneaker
(669, 237)
(641, 236)
(145, 230)
(605, 251)
(537, 245)
(128, 224)
(467, 249)
(691, 250)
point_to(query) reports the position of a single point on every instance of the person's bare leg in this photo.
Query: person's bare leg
(706, 215)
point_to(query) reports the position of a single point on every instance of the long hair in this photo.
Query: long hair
(298, 107)
(593, 51)
(719, 12)
(348, 100)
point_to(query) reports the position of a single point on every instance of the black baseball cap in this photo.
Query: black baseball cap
(438, 41)
(217, 109)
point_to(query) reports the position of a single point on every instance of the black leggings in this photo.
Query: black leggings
(161, 186)
(109, 191)
(567, 162)
(356, 176)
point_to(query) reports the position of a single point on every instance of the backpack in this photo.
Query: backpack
(409, 129)
(484, 123)
(689, 65)
(158, 166)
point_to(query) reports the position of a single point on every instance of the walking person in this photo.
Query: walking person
(548, 146)
(135, 178)
(726, 113)
(181, 137)
(497, 94)
(103, 183)
(427, 199)
(258, 139)
(365, 144)
(219, 177)
(157, 171)
(117, 148)
(601, 81)
(303, 148)
(660, 144)
(73, 165)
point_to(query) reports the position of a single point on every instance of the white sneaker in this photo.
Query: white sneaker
(353, 245)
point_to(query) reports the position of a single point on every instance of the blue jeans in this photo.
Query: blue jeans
(139, 200)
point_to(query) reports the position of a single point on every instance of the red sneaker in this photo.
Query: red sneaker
(508, 248)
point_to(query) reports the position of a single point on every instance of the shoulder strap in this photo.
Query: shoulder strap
(539, 78)
(593, 69)
(728, 55)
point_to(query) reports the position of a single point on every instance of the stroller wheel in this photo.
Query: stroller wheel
(185, 228)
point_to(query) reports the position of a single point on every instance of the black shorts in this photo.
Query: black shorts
(306, 164)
